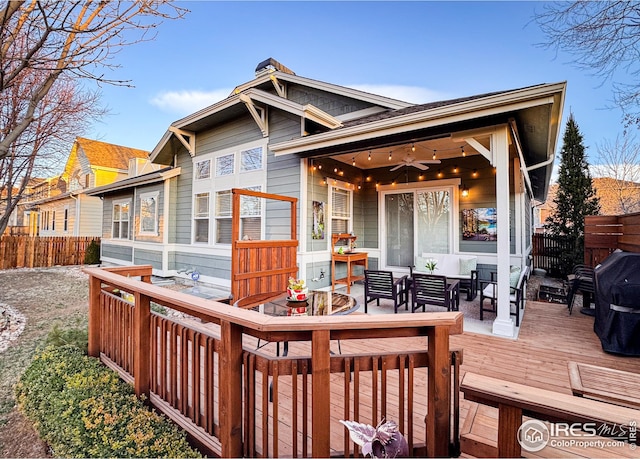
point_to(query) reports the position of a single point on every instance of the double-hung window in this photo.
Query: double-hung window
(120, 228)
(65, 220)
(201, 218)
(340, 210)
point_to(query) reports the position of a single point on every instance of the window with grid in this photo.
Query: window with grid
(203, 169)
(340, 210)
(120, 228)
(250, 216)
(53, 221)
(201, 218)
(225, 165)
(251, 160)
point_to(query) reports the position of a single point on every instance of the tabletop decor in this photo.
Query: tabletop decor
(385, 440)
(297, 290)
(431, 265)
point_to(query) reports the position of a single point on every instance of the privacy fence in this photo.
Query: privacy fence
(547, 251)
(606, 233)
(35, 252)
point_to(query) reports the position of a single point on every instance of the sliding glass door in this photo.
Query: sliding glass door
(416, 221)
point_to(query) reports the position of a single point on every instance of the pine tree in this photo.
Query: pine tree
(576, 197)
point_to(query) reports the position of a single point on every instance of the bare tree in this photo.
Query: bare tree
(619, 163)
(74, 38)
(47, 48)
(604, 38)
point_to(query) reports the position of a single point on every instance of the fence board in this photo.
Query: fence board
(38, 252)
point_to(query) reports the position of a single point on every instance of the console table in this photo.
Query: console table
(349, 257)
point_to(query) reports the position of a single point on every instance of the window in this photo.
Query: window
(251, 160)
(65, 221)
(53, 221)
(149, 214)
(340, 210)
(225, 165)
(250, 216)
(120, 220)
(203, 169)
(201, 218)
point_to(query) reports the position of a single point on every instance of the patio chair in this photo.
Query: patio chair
(431, 289)
(382, 284)
(580, 280)
(488, 291)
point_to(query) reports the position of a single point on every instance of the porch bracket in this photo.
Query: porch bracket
(258, 113)
(281, 89)
(523, 165)
(480, 149)
(186, 138)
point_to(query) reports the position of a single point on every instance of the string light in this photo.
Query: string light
(389, 156)
(463, 153)
(369, 158)
(474, 174)
(353, 161)
(455, 169)
(413, 148)
(434, 154)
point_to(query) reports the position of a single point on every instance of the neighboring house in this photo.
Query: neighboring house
(404, 178)
(63, 206)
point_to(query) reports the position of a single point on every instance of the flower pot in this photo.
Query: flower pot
(297, 294)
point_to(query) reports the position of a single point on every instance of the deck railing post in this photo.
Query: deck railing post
(438, 393)
(230, 371)
(142, 344)
(94, 316)
(320, 393)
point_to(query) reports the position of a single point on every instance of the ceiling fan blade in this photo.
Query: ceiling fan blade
(397, 167)
(420, 166)
(430, 161)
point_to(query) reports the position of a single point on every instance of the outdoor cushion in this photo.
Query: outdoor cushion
(467, 265)
(514, 276)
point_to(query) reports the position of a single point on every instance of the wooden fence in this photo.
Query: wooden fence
(605, 233)
(36, 252)
(547, 251)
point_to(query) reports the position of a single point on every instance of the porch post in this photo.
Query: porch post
(503, 325)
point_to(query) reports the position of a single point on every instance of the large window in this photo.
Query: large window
(238, 167)
(120, 220)
(201, 218)
(149, 214)
(340, 210)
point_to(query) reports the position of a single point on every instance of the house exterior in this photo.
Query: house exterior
(404, 178)
(62, 205)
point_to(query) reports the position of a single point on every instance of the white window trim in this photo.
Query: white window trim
(153, 195)
(194, 218)
(195, 169)
(120, 202)
(262, 160)
(349, 220)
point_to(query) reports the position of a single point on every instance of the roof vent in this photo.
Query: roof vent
(270, 65)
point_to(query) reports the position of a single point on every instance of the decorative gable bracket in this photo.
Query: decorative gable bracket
(281, 89)
(258, 113)
(187, 138)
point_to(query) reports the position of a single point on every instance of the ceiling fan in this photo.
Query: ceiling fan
(420, 164)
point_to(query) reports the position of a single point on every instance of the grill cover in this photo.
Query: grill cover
(617, 299)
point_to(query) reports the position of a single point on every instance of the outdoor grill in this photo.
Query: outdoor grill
(617, 295)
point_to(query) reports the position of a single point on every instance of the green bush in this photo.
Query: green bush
(92, 254)
(83, 409)
(77, 336)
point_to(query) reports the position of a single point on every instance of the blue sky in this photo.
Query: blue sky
(414, 51)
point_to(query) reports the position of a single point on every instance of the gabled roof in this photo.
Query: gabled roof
(102, 154)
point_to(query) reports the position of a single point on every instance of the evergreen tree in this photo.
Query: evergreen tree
(575, 198)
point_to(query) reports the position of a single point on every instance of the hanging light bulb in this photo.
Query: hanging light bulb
(353, 161)
(474, 174)
(455, 169)
(335, 170)
(369, 158)
(389, 156)
(340, 172)
(434, 154)
(439, 173)
(319, 166)
(465, 191)
(413, 148)
(420, 176)
(463, 153)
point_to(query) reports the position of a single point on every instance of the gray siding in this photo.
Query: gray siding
(333, 104)
(116, 251)
(183, 201)
(173, 210)
(148, 257)
(206, 265)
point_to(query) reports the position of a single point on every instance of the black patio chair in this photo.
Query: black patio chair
(431, 289)
(489, 291)
(382, 284)
(580, 280)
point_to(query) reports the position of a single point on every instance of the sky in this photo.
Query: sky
(417, 51)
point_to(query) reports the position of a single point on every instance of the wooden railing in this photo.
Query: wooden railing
(34, 252)
(605, 233)
(234, 400)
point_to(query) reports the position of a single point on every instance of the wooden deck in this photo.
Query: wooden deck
(549, 338)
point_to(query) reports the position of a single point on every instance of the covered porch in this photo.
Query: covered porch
(458, 177)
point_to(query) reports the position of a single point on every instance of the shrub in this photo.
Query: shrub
(92, 254)
(77, 336)
(83, 409)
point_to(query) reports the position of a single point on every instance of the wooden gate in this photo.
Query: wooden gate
(261, 266)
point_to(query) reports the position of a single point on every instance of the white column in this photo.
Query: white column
(503, 325)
